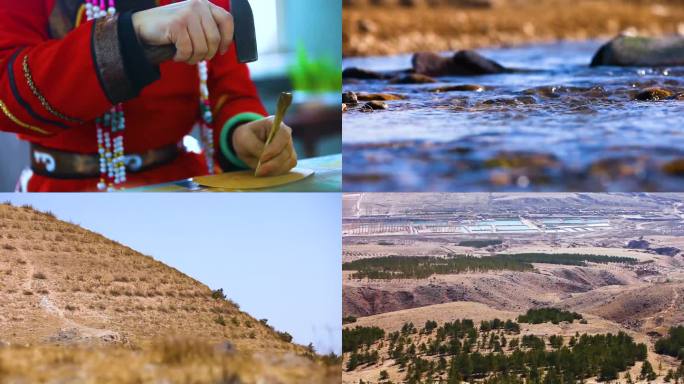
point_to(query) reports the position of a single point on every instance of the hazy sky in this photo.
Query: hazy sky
(277, 255)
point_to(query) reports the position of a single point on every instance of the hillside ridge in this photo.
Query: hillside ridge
(66, 284)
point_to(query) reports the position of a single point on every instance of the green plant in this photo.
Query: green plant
(218, 294)
(315, 75)
(284, 336)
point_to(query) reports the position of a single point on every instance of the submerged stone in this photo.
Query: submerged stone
(653, 94)
(363, 74)
(675, 167)
(350, 98)
(413, 78)
(374, 106)
(522, 160)
(459, 88)
(508, 101)
(554, 91)
(362, 96)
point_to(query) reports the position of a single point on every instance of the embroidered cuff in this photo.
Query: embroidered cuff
(139, 70)
(226, 140)
(121, 66)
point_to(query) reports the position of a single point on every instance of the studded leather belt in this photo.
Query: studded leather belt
(68, 165)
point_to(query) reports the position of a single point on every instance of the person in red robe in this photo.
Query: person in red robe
(59, 72)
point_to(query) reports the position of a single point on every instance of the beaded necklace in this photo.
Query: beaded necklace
(111, 126)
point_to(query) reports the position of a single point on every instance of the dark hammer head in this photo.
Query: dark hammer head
(245, 31)
(244, 38)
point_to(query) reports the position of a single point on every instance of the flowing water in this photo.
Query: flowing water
(561, 126)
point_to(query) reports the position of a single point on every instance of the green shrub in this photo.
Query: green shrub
(218, 294)
(284, 336)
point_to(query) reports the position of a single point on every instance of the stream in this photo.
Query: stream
(562, 126)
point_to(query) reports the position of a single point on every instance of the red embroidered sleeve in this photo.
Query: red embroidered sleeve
(49, 85)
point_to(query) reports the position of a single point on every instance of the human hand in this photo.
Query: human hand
(277, 159)
(197, 28)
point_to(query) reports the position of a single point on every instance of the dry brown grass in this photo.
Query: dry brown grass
(374, 30)
(175, 360)
(59, 277)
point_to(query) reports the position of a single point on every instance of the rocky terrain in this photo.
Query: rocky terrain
(644, 298)
(71, 298)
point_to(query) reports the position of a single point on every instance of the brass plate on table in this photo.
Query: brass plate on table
(236, 181)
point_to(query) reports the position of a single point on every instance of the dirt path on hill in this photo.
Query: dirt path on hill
(71, 330)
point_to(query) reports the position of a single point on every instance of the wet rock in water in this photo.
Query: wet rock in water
(508, 101)
(459, 103)
(558, 91)
(374, 106)
(350, 98)
(522, 160)
(500, 101)
(363, 74)
(344, 107)
(459, 88)
(637, 51)
(462, 63)
(653, 94)
(413, 78)
(526, 100)
(618, 168)
(675, 167)
(362, 96)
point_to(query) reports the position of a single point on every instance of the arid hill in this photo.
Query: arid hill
(66, 292)
(427, 260)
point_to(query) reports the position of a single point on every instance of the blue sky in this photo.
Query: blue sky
(277, 255)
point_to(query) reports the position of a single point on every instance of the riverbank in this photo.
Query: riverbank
(392, 29)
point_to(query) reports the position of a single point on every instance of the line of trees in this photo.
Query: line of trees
(480, 243)
(494, 353)
(357, 359)
(399, 267)
(421, 267)
(603, 356)
(353, 338)
(673, 344)
(545, 315)
(570, 258)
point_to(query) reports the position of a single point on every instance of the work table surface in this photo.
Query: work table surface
(327, 178)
